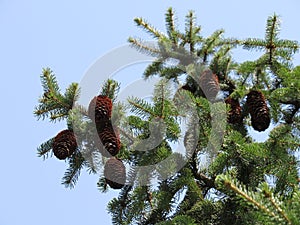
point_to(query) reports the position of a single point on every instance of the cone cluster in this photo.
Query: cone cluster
(107, 140)
(235, 112)
(100, 111)
(64, 144)
(209, 83)
(258, 109)
(115, 173)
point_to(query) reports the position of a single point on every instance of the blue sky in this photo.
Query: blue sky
(68, 36)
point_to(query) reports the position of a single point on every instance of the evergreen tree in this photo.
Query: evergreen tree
(242, 182)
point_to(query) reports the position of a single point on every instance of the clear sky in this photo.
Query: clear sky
(68, 36)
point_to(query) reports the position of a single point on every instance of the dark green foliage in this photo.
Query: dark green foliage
(222, 176)
(45, 148)
(76, 163)
(53, 104)
(277, 50)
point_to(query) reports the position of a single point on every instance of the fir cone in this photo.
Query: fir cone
(64, 144)
(235, 112)
(209, 84)
(100, 109)
(115, 173)
(109, 141)
(259, 111)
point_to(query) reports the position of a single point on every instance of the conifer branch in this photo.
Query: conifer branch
(154, 68)
(53, 104)
(49, 82)
(143, 48)
(190, 30)
(161, 99)
(254, 43)
(45, 148)
(272, 44)
(269, 195)
(140, 107)
(110, 89)
(272, 29)
(249, 199)
(170, 25)
(150, 29)
(209, 44)
(76, 163)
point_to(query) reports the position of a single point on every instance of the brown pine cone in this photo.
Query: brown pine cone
(100, 109)
(235, 112)
(209, 84)
(64, 144)
(259, 111)
(109, 141)
(115, 173)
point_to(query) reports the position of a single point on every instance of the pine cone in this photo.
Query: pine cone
(110, 142)
(209, 83)
(259, 111)
(64, 144)
(100, 109)
(235, 112)
(115, 173)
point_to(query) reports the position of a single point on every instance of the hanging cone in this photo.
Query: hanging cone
(260, 117)
(100, 109)
(209, 84)
(109, 142)
(64, 144)
(115, 173)
(190, 141)
(235, 112)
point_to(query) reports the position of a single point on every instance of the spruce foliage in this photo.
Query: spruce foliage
(235, 180)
